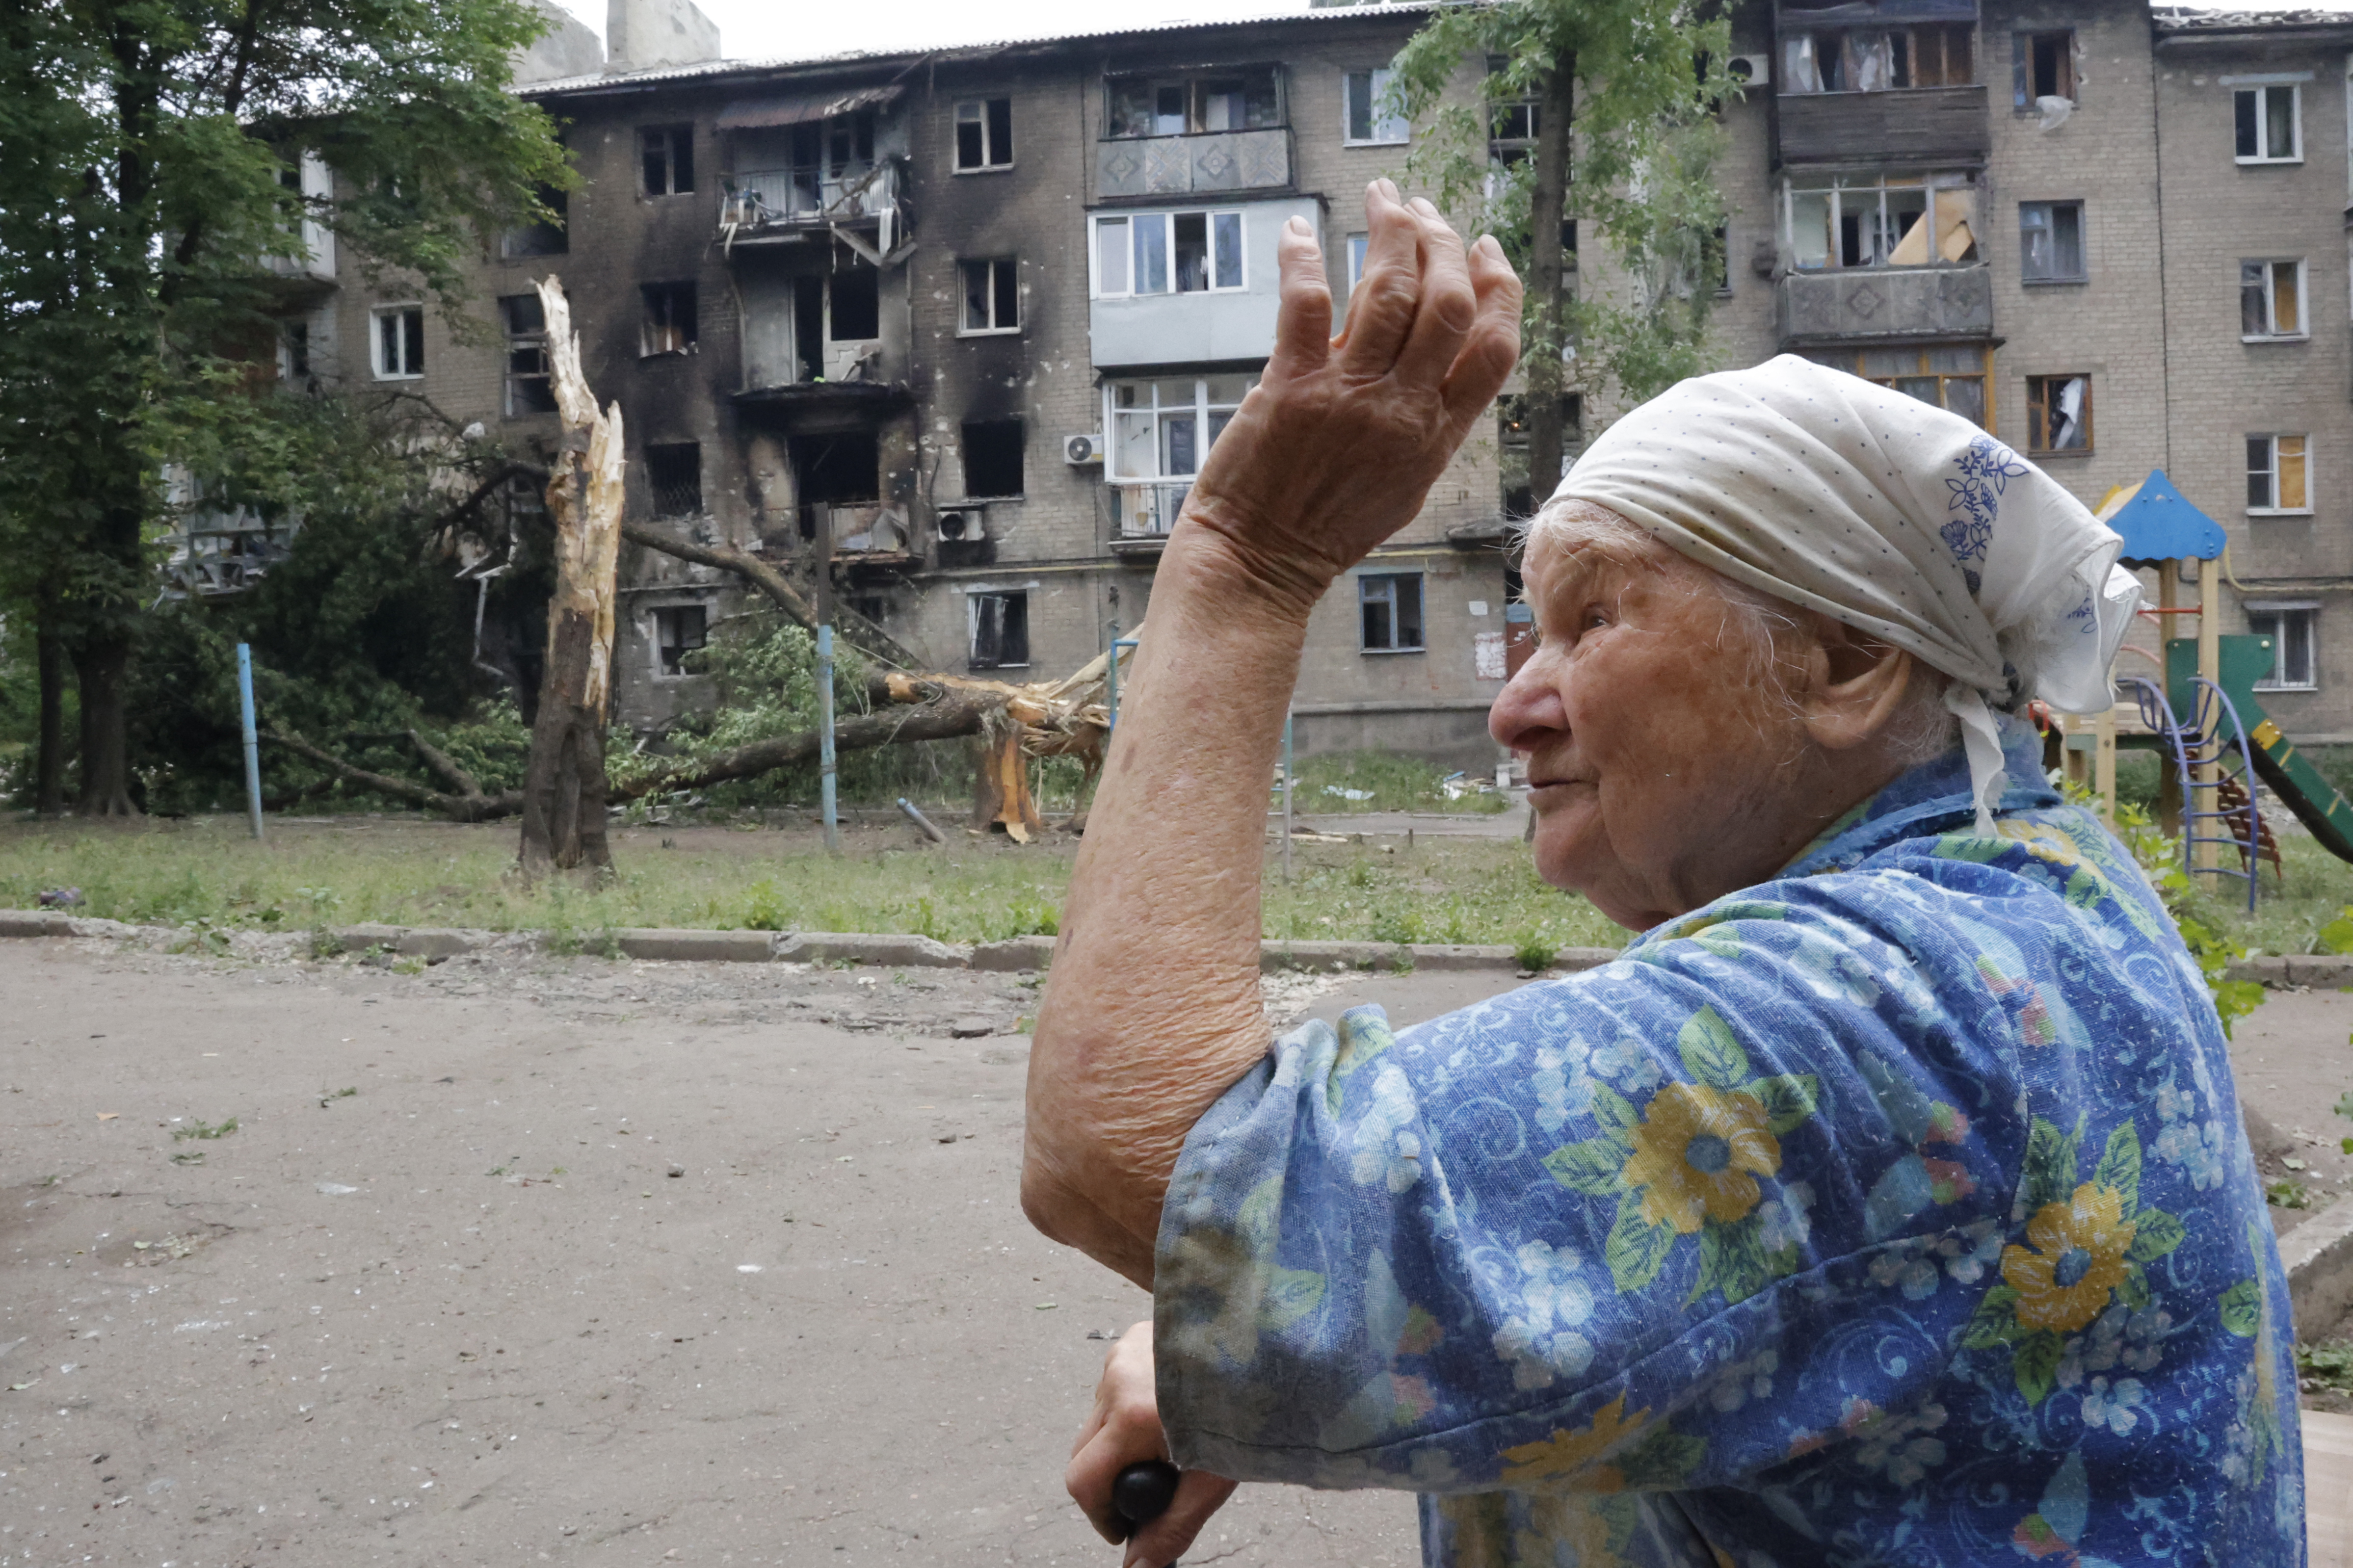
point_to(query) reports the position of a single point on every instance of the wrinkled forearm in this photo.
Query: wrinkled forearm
(1152, 1010)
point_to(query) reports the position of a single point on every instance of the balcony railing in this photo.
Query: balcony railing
(1147, 511)
(1886, 302)
(218, 552)
(1183, 165)
(1917, 124)
(859, 528)
(811, 197)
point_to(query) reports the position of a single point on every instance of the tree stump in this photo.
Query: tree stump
(564, 784)
(1000, 782)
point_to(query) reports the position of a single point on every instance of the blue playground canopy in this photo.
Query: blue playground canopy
(2158, 524)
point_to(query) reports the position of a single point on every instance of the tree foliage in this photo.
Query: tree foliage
(151, 157)
(1647, 75)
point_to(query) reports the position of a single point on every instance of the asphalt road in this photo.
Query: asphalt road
(438, 1299)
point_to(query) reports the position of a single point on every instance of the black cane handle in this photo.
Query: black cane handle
(1142, 1491)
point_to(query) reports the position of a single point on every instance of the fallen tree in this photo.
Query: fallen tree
(468, 805)
(855, 629)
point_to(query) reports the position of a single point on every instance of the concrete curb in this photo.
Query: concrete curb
(1013, 955)
(2318, 1255)
(2326, 970)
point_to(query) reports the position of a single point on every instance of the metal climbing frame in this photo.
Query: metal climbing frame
(2214, 736)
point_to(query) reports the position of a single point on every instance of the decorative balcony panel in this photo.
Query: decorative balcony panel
(1886, 303)
(1182, 165)
(1941, 125)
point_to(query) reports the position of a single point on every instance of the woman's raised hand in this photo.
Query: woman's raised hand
(1337, 446)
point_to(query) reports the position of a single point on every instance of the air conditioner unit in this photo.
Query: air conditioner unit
(1750, 70)
(960, 523)
(1079, 450)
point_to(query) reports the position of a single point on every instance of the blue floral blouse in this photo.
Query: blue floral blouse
(1896, 1211)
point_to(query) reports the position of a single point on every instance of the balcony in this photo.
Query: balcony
(1885, 302)
(783, 203)
(217, 552)
(1918, 125)
(1198, 161)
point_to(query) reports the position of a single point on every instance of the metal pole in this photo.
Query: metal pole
(1286, 797)
(825, 737)
(1111, 684)
(252, 743)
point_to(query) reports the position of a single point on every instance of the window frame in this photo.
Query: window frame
(648, 326)
(653, 614)
(2050, 211)
(1201, 410)
(2273, 471)
(1365, 598)
(2022, 42)
(519, 343)
(654, 486)
(670, 133)
(964, 429)
(2279, 611)
(377, 316)
(1838, 186)
(1012, 267)
(2270, 265)
(990, 162)
(2039, 390)
(1167, 218)
(2258, 91)
(1377, 80)
(1855, 365)
(1193, 85)
(972, 599)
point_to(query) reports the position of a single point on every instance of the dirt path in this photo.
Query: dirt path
(467, 1315)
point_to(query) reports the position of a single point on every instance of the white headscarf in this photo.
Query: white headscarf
(1893, 516)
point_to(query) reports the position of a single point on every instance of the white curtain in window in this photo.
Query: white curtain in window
(1799, 72)
(1874, 62)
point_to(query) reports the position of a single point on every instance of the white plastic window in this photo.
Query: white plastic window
(2294, 632)
(1168, 253)
(2278, 479)
(396, 344)
(1372, 116)
(1162, 429)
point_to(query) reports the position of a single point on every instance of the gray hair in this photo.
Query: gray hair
(1922, 727)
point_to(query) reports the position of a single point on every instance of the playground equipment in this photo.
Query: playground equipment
(2201, 713)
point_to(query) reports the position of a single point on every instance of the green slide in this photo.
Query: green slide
(2246, 659)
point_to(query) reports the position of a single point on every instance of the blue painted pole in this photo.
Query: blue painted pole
(252, 742)
(824, 763)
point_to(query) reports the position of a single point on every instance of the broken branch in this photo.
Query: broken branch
(443, 764)
(855, 629)
(474, 807)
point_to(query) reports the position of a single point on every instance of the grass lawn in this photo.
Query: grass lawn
(404, 871)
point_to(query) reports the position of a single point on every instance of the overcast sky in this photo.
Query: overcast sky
(762, 29)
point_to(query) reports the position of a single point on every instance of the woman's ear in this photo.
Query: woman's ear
(1857, 684)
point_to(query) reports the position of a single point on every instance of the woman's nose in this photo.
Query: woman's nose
(1528, 710)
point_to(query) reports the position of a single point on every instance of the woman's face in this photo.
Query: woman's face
(1664, 766)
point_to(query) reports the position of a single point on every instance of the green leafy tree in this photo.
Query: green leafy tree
(149, 159)
(1605, 111)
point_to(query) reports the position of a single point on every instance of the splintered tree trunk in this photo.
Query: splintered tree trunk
(1001, 782)
(1548, 205)
(564, 786)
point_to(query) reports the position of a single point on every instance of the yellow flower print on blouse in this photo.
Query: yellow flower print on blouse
(1699, 1150)
(1566, 1457)
(2077, 1259)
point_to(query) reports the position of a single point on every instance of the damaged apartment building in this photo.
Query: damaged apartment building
(969, 319)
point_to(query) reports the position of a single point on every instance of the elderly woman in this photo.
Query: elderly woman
(1885, 1202)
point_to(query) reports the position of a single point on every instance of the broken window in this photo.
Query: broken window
(1000, 624)
(2270, 124)
(1158, 432)
(668, 327)
(678, 630)
(1390, 606)
(1512, 438)
(983, 133)
(854, 304)
(2043, 64)
(1951, 377)
(1160, 253)
(529, 389)
(1249, 98)
(1878, 59)
(2271, 300)
(2058, 414)
(396, 346)
(667, 154)
(2294, 633)
(1871, 220)
(2277, 481)
(992, 457)
(1372, 111)
(544, 239)
(992, 295)
(2051, 242)
(293, 350)
(674, 476)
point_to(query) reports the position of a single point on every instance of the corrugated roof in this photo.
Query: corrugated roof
(801, 108)
(662, 74)
(2178, 19)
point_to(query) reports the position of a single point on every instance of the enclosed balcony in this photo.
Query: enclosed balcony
(1893, 302)
(1880, 79)
(819, 162)
(1183, 133)
(1882, 255)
